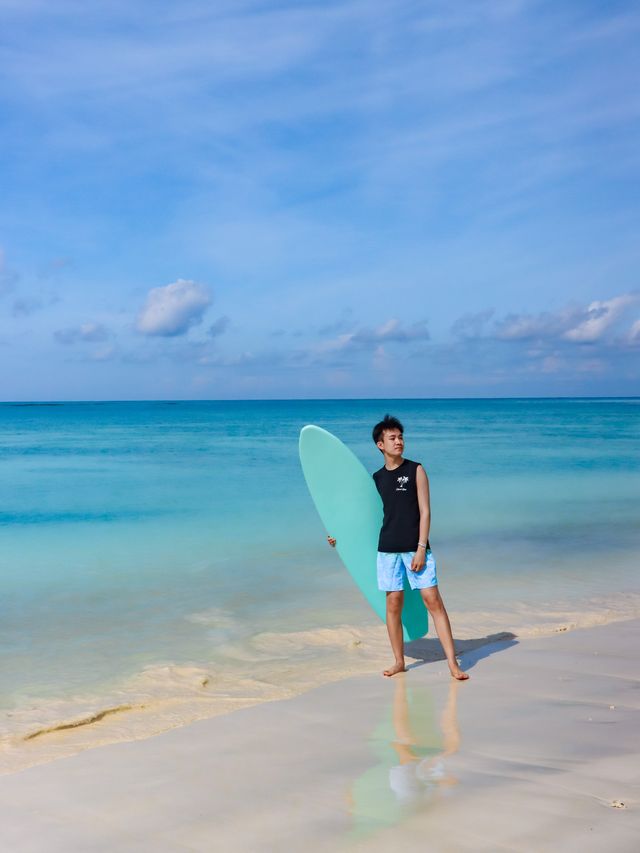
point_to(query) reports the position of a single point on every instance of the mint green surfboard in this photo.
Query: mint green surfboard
(351, 510)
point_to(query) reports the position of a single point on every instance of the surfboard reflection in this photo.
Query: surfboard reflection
(411, 746)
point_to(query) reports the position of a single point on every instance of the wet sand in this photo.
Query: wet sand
(538, 751)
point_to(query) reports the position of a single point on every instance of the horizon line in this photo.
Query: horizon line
(310, 399)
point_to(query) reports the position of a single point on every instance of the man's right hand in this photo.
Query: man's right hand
(331, 541)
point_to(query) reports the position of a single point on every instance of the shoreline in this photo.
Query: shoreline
(537, 751)
(167, 697)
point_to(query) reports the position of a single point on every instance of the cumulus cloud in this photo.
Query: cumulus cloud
(600, 316)
(86, 332)
(634, 333)
(173, 309)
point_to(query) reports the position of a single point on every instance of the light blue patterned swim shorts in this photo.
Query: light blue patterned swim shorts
(392, 569)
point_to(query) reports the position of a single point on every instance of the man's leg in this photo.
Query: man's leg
(435, 606)
(394, 627)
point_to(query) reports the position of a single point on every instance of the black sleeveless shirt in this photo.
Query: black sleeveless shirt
(401, 524)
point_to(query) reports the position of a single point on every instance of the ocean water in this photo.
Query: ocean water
(167, 555)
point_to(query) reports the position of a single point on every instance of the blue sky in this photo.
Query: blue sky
(317, 199)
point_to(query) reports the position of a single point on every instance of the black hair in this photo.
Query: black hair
(388, 422)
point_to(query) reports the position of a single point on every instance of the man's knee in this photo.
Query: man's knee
(431, 598)
(394, 602)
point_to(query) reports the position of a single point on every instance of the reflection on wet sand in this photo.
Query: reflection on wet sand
(411, 747)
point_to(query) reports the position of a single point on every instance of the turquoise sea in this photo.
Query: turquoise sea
(137, 537)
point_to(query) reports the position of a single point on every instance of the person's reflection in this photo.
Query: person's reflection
(411, 748)
(422, 765)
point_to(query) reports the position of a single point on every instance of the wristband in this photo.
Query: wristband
(422, 545)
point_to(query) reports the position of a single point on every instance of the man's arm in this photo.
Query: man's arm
(424, 504)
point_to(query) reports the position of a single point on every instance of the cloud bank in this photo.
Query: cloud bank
(588, 324)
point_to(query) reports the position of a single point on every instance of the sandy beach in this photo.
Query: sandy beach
(538, 751)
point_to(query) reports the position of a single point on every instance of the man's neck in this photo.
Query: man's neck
(392, 462)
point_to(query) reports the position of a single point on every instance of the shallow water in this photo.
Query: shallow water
(138, 536)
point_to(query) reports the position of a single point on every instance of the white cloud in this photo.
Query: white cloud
(600, 316)
(634, 333)
(520, 327)
(366, 339)
(573, 323)
(173, 309)
(86, 332)
(392, 330)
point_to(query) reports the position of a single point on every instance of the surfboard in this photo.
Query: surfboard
(350, 508)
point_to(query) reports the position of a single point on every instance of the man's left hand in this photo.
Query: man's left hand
(417, 563)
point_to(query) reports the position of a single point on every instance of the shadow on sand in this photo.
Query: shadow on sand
(427, 650)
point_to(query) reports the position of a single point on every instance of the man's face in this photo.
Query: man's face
(392, 442)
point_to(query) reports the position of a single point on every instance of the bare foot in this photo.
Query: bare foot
(395, 669)
(457, 673)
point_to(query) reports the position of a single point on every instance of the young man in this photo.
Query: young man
(403, 545)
